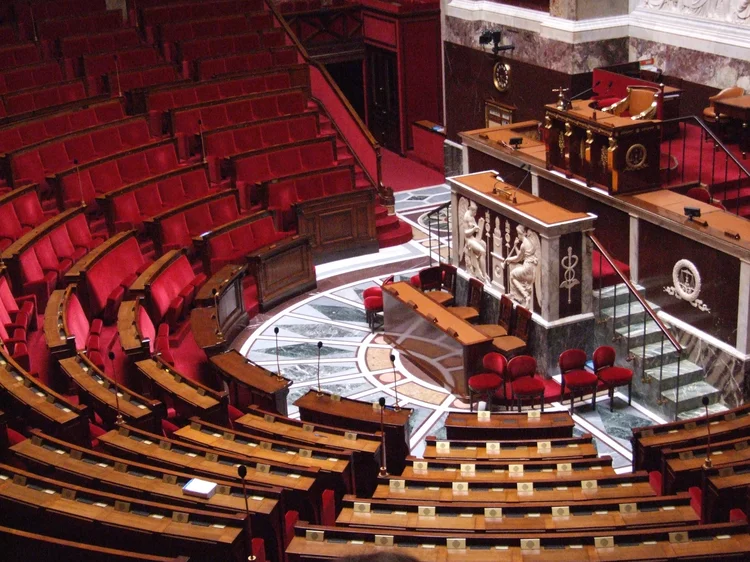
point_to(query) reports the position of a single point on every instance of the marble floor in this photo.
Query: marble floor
(355, 362)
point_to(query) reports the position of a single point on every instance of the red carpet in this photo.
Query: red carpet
(402, 173)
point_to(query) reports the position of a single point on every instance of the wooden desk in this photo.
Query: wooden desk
(724, 488)
(131, 340)
(737, 108)
(55, 334)
(32, 401)
(336, 470)
(71, 511)
(205, 331)
(219, 281)
(301, 490)
(264, 388)
(682, 467)
(355, 416)
(190, 398)
(593, 516)
(365, 449)
(614, 152)
(428, 139)
(64, 461)
(445, 347)
(573, 448)
(140, 285)
(97, 390)
(502, 427)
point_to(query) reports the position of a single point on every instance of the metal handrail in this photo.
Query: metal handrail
(436, 212)
(633, 290)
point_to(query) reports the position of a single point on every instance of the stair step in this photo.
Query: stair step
(691, 395)
(620, 313)
(699, 412)
(653, 333)
(396, 237)
(380, 211)
(607, 298)
(362, 183)
(386, 224)
(689, 373)
(654, 354)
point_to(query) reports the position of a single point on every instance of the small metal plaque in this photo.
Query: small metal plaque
(384, 540)
(515, 469)
(730, 416)
(201, 391)
(626, 508)
(420, 466)
(269, 418)
(19, 479)
(170, 478)
(564, 467)
(460, 487)
(361, 507)
(679, 536)
(308, 427)
(530, 544)
(263, 468)
(68, 494)
(304, 453)
(741, 446)
(690, 425)
(124, 431)
(350, 436)
(455, 544)
(121, 467)
(223, 490)
(483, 416)
(534, 414)
(647, 433)
(686, 455)
(397, 485)
(265, 445)
(468, 469)
(229, 436)
(166, 445)
(335, 398)
(525, 487)
(493, 512)
(76, 454)
(426, 511)
(726, 471)
(376, 407)
(443, 446)
(179, 517)
(543, 445)
(314, 536)
(561, 511)
(122, 506)
(195, 426)
(588, 485)
(212, 457)
(604, 542)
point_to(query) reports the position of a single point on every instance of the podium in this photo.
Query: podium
(616, 153)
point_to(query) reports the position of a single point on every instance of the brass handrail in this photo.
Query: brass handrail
(638, 297)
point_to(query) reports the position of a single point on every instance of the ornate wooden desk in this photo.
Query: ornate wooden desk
(737, 108)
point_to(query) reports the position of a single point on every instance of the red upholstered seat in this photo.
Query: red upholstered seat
(290, 520)
(76, 322)
(528, 385)
(328, 508)
(373, 305)
(484, 382)
(35, 281)
(612, 376)
(372, 292)
(21, 310)
(524, 380)
(572, 364)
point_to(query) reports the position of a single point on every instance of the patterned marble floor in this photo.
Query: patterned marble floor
(355, 362)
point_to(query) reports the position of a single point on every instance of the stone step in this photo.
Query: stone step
(653, 333)
(607, 297)
(620, 313)
(700, 412)
(653, 354)
(691, 396)
(689, 373)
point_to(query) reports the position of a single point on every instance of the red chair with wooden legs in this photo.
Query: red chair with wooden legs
(515, 343)
(524, 383)
(431, 283)
(611, 375)
(487, 383)
(473, 306)
(373, 299)
(575, 376)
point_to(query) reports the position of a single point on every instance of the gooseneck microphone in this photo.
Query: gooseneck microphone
(383, 470)
(118, 420)
(242, 472)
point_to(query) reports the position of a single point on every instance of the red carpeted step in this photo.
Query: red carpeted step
(400, 235)
(380, 212)
(362, 183)
(345, 160)
(386, 224)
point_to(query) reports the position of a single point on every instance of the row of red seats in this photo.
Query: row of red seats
(110, 276)
(169, 33)
(19, 55)
(222, 143)
(116, 83)
(74, 46)
(208, 47)
(283, 195)
(34, 164)
(176, 230)
(20, 211)
(31, 76)
(8, 35)
(17, 317)
(42, 264)
(52, 29)
(24, 133)
(88, 335)
(237, 240)
(171, 293)
(114, 173)
(189, 94)
(155, 15)
(244, 62)
(129, 208)
(28, 12)
(272, 163)
(44, 97)
(192, 120)
(94, 66)
(158, 339)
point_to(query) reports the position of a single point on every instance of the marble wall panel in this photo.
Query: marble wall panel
(546, 344)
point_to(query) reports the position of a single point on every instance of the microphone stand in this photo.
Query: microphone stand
(203, 145)
(219, 333)
(320, 392)
(278, 368)
(383, 470)
(80, 183)
(118, 421)
(395, 387)
(117, 74)
(707, 463)
(242, 472)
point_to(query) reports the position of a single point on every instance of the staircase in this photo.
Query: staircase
(663, 381)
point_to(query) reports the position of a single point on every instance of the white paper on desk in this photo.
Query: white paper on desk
(199, 488)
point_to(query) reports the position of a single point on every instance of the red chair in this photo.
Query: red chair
(489, 382)
(523, 381)
(373, 298)
(575, 376)
(609, 374)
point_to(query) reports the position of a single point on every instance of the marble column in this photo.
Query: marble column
(550, 297)
(587, 281)
(743, 309)
(535, 184)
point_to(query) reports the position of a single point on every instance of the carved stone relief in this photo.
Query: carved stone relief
(735, 11)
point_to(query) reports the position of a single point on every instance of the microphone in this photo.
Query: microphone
(118, 420)
(278, 368)
(203, 146)
(117, 74)
(395, 387)
(242, 472)
(591, 89)
(219, 333)
(320, 392)
(707, 463)
(383, 469)
(80, 183)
